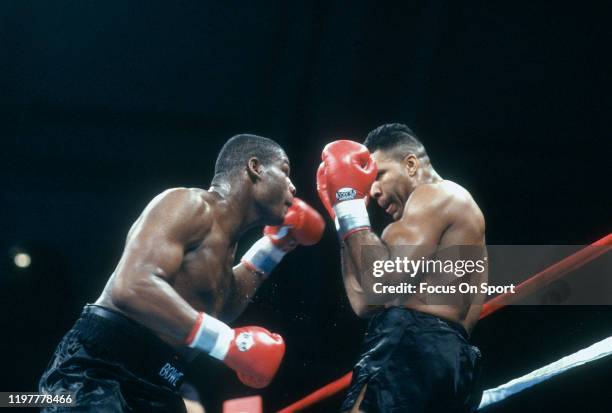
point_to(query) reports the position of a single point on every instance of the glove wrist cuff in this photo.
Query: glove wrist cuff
(263, 256)
(211, 336)
(351, 216)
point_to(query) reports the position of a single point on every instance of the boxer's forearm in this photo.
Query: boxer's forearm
(152, 302)
(244, 286)
(362, 263)
(354, 291)
(388, 249)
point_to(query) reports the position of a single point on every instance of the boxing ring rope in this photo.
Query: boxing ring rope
(524, 289)
(592, 353)
(547, 276)
(323, 393)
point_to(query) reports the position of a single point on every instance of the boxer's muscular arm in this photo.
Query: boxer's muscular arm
(426, 216)
(153, 254)
(352, 286)
(244, 286)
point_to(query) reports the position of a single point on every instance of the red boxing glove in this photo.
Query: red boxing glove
(302, 225)
(255, 354)
(347, 174)
(322, 191)
(349, 169)
(252, 352)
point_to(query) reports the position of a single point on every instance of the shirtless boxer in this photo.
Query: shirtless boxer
(174, 288)
(415, 356)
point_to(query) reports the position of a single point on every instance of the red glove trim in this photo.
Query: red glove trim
(195, 329)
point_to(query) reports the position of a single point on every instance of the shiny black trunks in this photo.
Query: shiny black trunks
(415, 362)
(113, 364)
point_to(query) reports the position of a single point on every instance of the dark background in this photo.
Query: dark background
(105, 104)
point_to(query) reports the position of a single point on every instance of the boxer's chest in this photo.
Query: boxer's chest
(204, 279)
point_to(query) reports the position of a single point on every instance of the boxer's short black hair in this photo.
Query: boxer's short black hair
(395, 138)
(240, 148)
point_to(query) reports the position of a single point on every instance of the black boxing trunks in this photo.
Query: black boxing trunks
(415, 362)
(112, 364)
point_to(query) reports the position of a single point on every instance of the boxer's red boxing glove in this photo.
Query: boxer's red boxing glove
(302, 225)
(255, 354)
(349, 169)
(322, 191)
(348, 174)
(252, 352)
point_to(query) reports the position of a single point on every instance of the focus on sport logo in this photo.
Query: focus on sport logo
(345, 194)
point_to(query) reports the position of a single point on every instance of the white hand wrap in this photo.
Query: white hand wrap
(351, 216)
(211, 336)
(263, 256)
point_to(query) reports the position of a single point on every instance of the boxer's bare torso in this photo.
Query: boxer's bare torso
(190, 235)
(176, 277)
(466, 227)
(437, 215)
(408, 359)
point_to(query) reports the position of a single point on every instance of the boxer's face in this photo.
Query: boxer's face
(274, 191)
(393, 184)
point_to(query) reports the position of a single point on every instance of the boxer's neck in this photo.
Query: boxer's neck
(427, 175)
(238, 214)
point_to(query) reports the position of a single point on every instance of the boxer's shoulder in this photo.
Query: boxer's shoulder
(182, 200)
(182, 206)
(444, 199)
(441, 194)
(459, 204)
(461, 199)
(428, 198)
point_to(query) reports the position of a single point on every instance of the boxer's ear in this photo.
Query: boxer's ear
(411, 163)
(254, 168)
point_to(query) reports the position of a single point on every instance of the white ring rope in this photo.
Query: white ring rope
(597, 351)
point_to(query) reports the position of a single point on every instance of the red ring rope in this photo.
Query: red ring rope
(527, 287)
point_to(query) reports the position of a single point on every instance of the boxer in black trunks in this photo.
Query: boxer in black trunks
(176, 287)
(416, 356)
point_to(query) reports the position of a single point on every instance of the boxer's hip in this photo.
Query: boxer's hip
(394, 322)
(106, 356)
(411, 359)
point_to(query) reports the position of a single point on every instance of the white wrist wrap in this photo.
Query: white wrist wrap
(351, 215)
(213, 337)
(264, 255)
